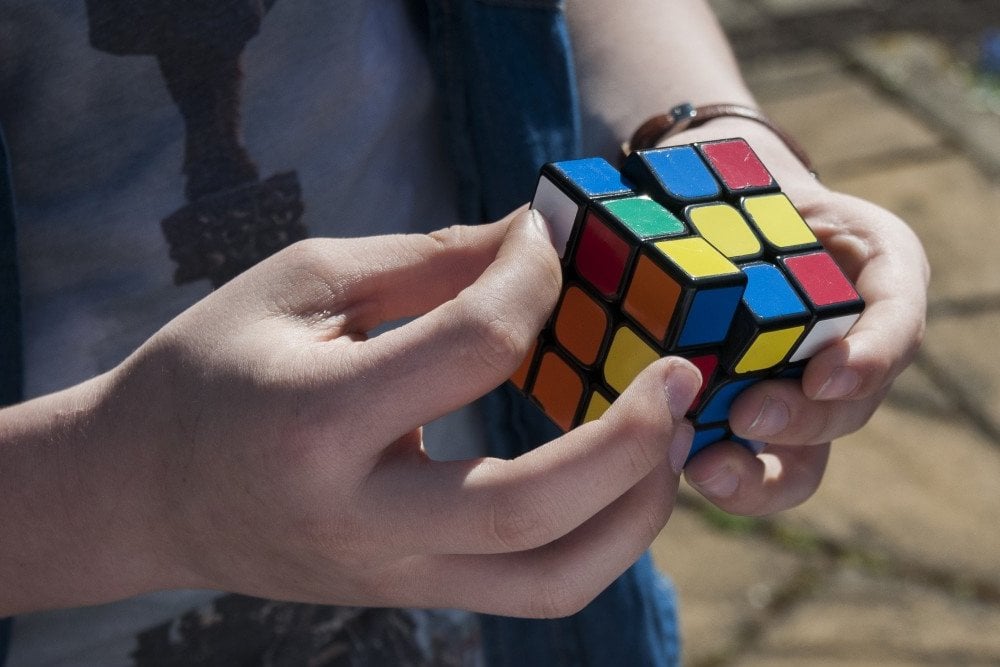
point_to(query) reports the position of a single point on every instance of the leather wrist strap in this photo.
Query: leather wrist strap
(685, 116)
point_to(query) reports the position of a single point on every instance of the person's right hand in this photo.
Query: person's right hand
(277, 449)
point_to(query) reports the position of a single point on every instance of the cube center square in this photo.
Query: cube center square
(689, 250)
(726, 229)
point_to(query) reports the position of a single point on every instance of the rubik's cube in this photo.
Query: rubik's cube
(691, 251)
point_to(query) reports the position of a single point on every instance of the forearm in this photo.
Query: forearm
(74, 528)
(640, 58)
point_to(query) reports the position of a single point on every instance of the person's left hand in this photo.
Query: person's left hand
(843, 384)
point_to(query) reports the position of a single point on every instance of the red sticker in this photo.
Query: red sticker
(737, 165)
(601, 256)
(823, 281)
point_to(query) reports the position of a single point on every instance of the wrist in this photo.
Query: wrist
(79, 523)
(146, 447)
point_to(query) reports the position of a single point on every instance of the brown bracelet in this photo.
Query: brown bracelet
(683, 116)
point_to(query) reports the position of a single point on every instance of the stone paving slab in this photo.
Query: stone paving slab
(723, 580)
(965, 348)
(791, 26)
(915, 391)
(902, 624)
(913, 489)
(924, 73)
(844, 125)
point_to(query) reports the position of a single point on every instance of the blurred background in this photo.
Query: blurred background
(896, 560)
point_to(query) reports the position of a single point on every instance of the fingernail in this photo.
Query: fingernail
(772, 418)
(681, 387)
(680, 447)
(721, 484)
(842, 382)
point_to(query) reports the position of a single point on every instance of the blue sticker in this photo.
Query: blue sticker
(716, 409)
(769, 295)
(710, 315)
(682, 173)
(706, 437)
(595, 177)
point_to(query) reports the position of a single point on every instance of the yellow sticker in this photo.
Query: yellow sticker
(778, 220)
(768, 349)
(696, 257)
(596, 407)
(626, 358)
(724, 227)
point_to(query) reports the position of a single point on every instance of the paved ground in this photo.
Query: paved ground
(896, 561)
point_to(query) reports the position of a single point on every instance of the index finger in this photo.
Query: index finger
(467, 345)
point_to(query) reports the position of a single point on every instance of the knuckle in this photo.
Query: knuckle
(880, 370)
(642, 444)
(498, 343)
(557, 598)
(309, 254)
(641, 456)
(320, 271)
(449, 237)
(805, 475)
(517, 524)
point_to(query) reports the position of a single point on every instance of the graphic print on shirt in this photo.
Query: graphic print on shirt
(249, 631)
(232, 219)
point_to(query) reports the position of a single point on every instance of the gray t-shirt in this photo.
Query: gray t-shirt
(339, 95)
